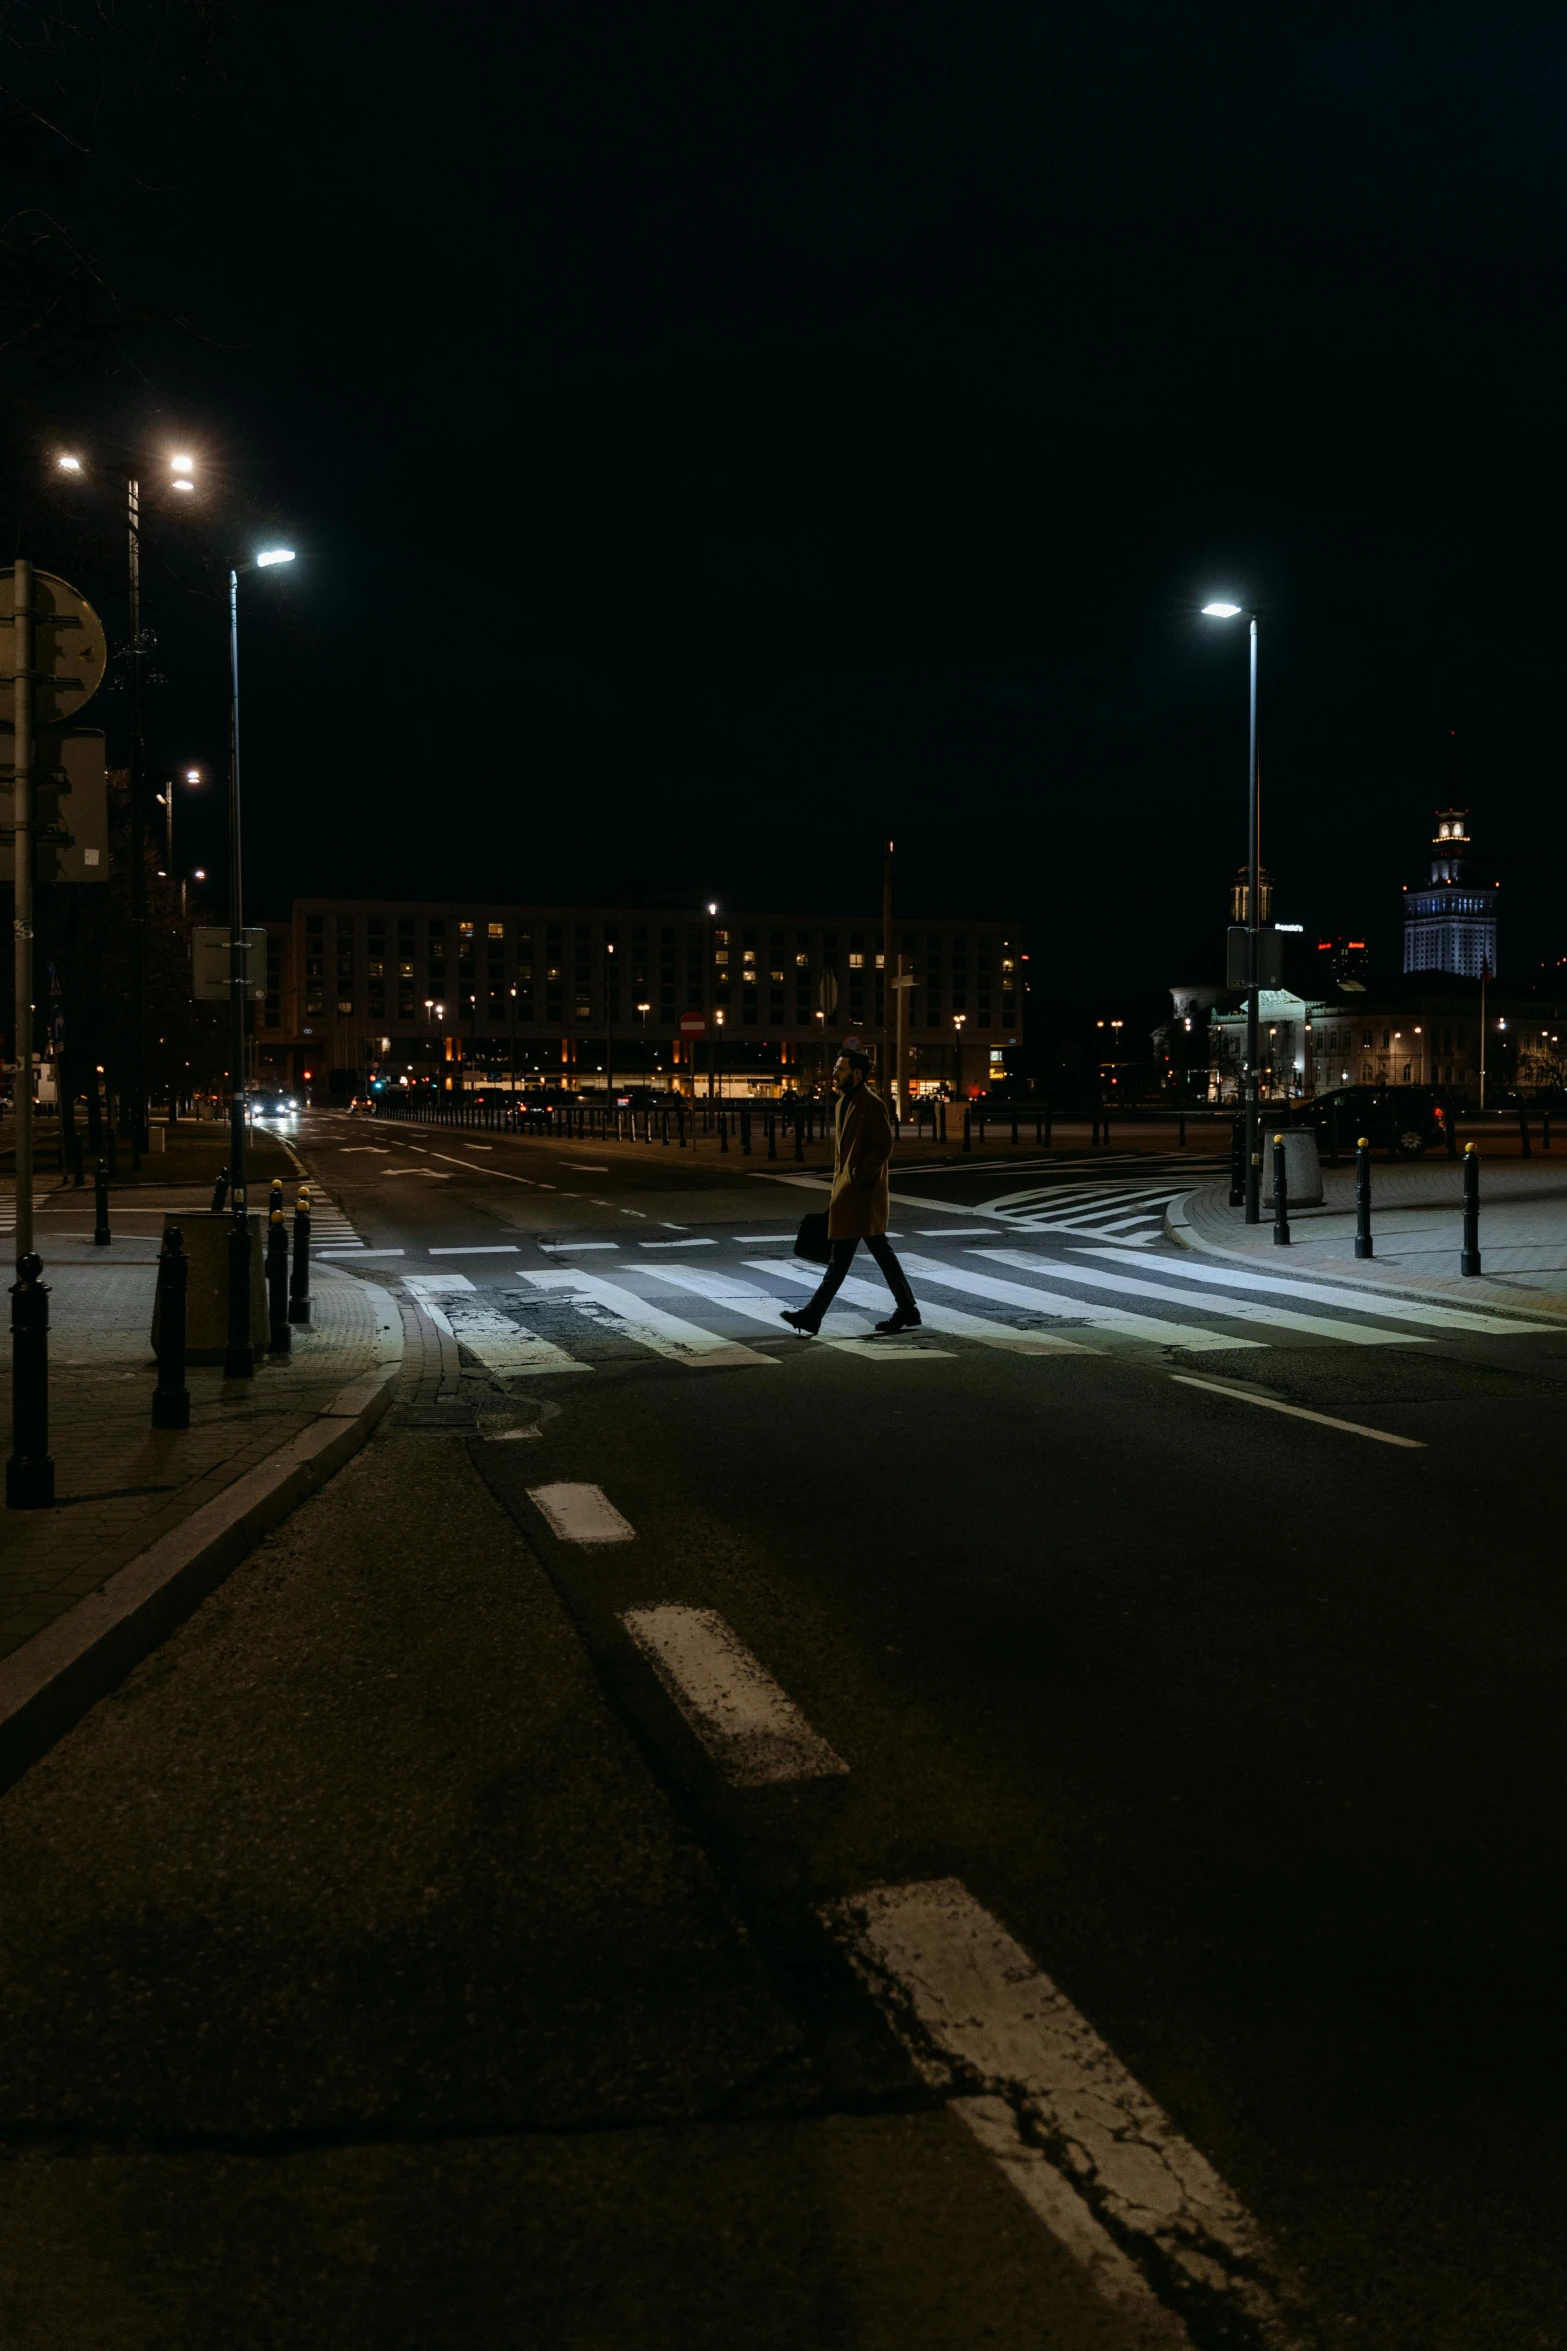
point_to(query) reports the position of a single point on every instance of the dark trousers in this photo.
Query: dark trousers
(838, 1265)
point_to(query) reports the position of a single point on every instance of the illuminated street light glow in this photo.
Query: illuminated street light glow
(274, 555)
(1222, 611)
(193, 775)
(182, 465)
(69, 464)
(180, 484)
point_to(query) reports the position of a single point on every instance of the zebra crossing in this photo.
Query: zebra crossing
(1087, 1300)
(330, 1229)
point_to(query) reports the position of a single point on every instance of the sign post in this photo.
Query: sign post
(692, 1026)
(57, 654)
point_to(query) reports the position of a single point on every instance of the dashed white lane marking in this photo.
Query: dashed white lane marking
(693, 1243)
(750, 1240)
(1351, 1428)
(1279, 1318)
(582, 1514)
(503, 1173)
(744, 1298)
(639, 1319)
(979, 2016)
(581, 1167)
(478, 1249)
(751, 1728)
(358, 1251)
(1189, 1336)
(1445, 1318)
(949, 1319)
(962, 1232)
(431, 1174)
(555, 1247)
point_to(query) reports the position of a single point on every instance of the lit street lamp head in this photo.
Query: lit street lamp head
(68, 464)
(274, 555)
(1222, 611)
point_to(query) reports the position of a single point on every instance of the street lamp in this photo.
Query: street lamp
(1220, 610)
(181, 472)
(239, 1359)
(958, 1018)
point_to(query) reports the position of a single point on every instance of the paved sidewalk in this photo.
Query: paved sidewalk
(1416, 1225)
(120, 1483)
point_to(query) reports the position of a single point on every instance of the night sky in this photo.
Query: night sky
(714, 435)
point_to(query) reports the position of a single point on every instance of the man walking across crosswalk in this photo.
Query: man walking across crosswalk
(857, 1211)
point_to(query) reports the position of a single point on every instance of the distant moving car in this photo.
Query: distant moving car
(1404, 1121)
(266, 1105)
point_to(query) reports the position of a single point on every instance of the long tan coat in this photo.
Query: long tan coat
(862, 1149)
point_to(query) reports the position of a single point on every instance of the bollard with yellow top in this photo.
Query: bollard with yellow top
(299, 1281)
(1469, 1257)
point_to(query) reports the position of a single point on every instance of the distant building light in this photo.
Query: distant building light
(1289, 926)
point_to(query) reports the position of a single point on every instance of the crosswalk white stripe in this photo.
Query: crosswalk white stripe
(1190, 1336)
(1279, 1318)
(949, 1319)
(1446, 1318)
(764, 1306)
(500, 1344)
(639, 1319)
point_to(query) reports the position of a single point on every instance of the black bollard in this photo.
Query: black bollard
(299, 1280)
(664, 1134)
(239, 1356)
(680, 1121)
(279, 1337)
(1238, 1165)
(1363, 1198)
(220, 1192)
(1525, 1150)
(29, 1474)
(100, 1204)
(1281, 1195)
(1469, 1257)
(968, 1144)
(171, 1397)
(941, 1112)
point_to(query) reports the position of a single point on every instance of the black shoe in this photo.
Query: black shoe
(802, 1322)
(903, 1320)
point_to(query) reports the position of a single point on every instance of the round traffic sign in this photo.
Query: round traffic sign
(693, 1024)
(68, 649)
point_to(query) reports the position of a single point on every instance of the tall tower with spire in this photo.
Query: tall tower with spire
(1450, 925)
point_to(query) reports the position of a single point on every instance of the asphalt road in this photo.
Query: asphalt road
(1013, 1833)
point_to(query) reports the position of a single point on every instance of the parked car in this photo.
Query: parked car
(1404, 1121)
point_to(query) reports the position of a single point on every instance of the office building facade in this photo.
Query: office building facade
(467, 992)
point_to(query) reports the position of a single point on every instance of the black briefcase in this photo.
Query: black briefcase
(811, 1241)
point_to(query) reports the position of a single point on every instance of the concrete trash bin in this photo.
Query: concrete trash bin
(206, 1239)
(1302, 1167)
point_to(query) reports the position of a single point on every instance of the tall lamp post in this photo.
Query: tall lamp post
(1252, 1111)
(181, 478)
(239, 1357)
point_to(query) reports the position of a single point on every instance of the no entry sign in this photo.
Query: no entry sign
(693, 1024)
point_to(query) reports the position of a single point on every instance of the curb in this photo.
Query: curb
(48, 1684)
(1179, 1229)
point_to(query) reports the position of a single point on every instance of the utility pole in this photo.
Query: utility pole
(1253, 941)
(138, 841)
(890, 1073)
(239, 1360)
(22, 1091)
